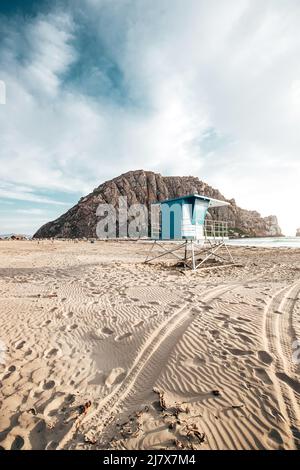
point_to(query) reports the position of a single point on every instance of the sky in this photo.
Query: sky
(95, 88)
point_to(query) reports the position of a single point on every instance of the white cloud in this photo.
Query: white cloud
(11, 191)
(2, 92)
(32, 211)
(196, 65)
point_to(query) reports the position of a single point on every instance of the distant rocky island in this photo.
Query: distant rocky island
(147, 187)
(298, 232)
(14, 236)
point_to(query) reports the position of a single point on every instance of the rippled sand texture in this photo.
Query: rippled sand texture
(99, 350)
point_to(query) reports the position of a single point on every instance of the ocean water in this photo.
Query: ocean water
(270, 242)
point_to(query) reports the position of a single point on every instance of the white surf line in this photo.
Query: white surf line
(272, 343)
(112, 403)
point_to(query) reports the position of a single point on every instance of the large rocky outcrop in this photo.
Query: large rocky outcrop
(298, 232)
(146, 187)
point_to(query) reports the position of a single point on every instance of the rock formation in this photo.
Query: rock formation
(298, 232)
(146, 187)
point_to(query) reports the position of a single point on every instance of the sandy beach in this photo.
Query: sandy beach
(100, 351)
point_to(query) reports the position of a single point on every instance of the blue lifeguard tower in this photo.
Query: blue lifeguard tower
(184, 219)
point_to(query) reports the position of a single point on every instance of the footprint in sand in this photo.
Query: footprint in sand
(115, 377)
(215, 333)
(199, 360)
(265, 357)
(246, 339)
(294, 384)
(238, 329)
(140, 323)
(98, 379)
(275, 436)
(196, 310)
(52, 353)
(49, 385)
(208, 307)
(107, 331)
(52, 445)
(194, 362)
(124, 336)
(240, 352)
(20, 344)
(221, 317)
(263, 375)
(72, 327)
(10, 375)
(53, 407)
(18, 443)
(278, 312)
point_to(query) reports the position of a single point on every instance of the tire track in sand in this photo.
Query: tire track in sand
(278, 337)
(148, 363)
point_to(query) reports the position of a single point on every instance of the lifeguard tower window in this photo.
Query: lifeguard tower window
(184, 218)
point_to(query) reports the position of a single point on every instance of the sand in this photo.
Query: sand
(99, 351)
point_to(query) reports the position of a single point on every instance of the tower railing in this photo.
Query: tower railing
(216, 229)
(213, 229)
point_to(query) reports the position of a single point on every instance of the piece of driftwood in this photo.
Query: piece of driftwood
(192, 431)
(161, 398)
(82, 409)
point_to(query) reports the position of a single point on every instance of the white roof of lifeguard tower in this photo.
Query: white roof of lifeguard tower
(212, 202)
